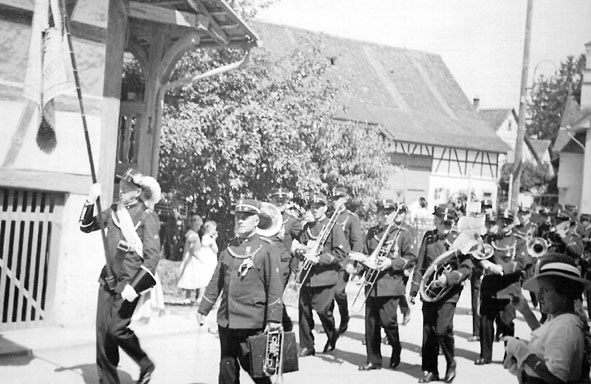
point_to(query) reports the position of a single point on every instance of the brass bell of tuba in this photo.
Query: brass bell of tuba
(270, 220)
(486, 253)
(537, 247)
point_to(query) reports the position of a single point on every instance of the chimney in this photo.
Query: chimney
(476, 103)
(586, 86)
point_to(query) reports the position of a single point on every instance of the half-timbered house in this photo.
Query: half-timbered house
(439, 143)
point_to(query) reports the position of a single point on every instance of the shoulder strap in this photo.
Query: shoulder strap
(128, 230)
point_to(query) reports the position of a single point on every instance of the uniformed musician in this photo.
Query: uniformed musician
(584, 231)
(527, 230)
(382, 301)
(351, 226)
(563, 236)
(486, 208)
(318, 289)
(249, 281)
(133, 252)
(291, 229)
(502, 274)
(438, 315)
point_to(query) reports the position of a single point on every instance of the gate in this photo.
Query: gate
(28, 244)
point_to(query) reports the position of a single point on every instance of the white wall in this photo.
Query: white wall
(569, 181)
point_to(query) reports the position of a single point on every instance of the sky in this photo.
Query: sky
(481, 41)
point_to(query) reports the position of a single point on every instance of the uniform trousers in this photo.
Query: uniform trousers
(490, 308)
(234, 352)
(341, 296)
(381, 312)
(438, 331)
(475, 282)
(113, 317)
(321, 300)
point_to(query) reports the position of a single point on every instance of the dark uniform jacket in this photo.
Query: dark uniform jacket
(510, 252)
(351, 226)
(433, 245)
(293, 228)
(251, 294)
(390, 282)
(280, 250)
(334, 252)
(125, 264)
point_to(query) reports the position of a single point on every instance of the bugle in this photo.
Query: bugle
(373, 261)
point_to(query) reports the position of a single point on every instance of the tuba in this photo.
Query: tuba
(270, 221)
(381, 252)
(311, 254)
(429, 288)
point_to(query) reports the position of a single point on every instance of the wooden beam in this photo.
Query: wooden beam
(161, 15)
(214, 29)
(173, 54)
(45, 181)
(27, 5)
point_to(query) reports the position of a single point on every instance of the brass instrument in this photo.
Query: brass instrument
(429, 287)
(537, 246)
(486, 253)
(273, 353)
(373, 261)
(312, 253)
(270, 221)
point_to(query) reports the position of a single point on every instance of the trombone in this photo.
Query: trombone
(311, 254)
(373, 261)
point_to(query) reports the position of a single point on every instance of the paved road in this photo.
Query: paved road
(187, 354)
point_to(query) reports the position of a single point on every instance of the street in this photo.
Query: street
(187, 354)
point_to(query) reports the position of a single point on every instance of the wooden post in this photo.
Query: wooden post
(516, 184)
(115, 47)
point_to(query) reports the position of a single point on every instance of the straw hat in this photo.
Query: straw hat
(557, 264)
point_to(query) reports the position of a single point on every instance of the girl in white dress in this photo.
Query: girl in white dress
(190, 266)
(207, 255)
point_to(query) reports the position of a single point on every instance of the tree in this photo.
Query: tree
(548, 98)
(264, 126)
(533, 176)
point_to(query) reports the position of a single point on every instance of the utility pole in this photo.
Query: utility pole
(522, 110)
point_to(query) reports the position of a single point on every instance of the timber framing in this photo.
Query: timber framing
(452, 161)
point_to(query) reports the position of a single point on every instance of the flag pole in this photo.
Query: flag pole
(109, 279)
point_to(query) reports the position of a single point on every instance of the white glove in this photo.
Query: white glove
(441, 281)
(129, 293)
(495, 268)
(94, 193)
(384, 264)
(272, 326)
(200, 319)
(518, 349)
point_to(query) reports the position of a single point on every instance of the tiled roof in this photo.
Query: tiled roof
(572, 115)
(410, 94)
(495, 117)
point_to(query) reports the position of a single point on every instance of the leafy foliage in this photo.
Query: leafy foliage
(266, 125)
(548, 97)
(533, 176)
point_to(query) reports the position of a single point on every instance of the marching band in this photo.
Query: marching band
(321, 254)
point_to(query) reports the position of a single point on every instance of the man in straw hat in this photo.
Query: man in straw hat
(558, 350)
(133, 252)
(248, 278)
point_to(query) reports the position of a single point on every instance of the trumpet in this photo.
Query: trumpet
(312, 253)
(373, 261)
(537, 246)
(273, 353)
